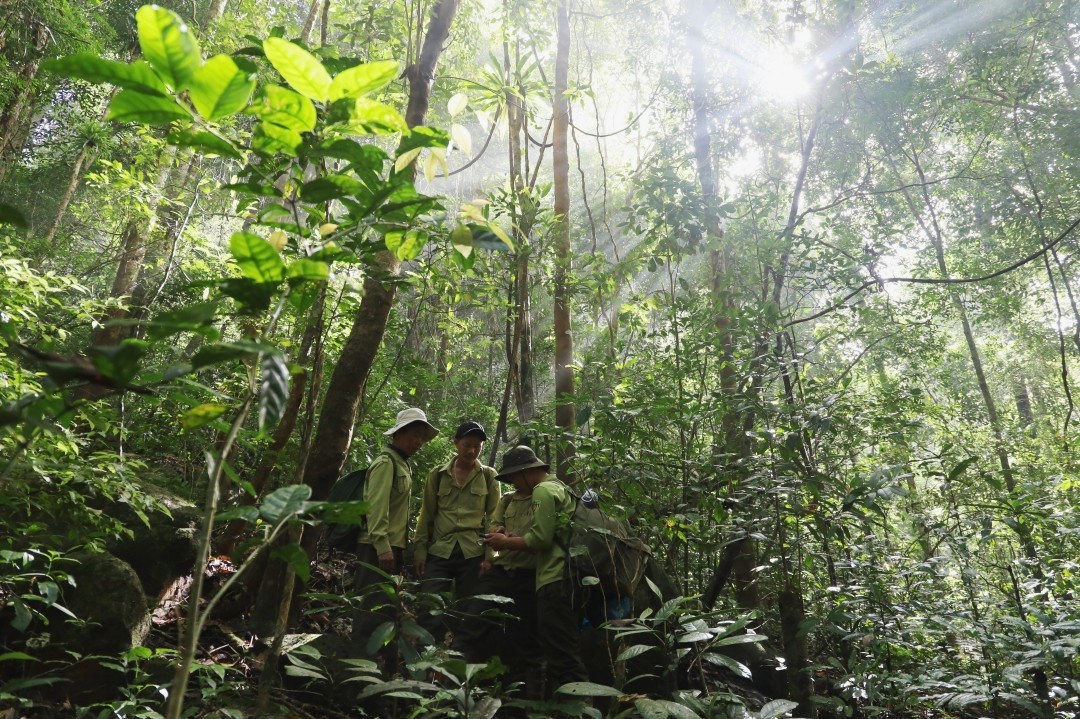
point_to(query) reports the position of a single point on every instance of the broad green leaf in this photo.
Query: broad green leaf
(329, 188)
(406, 245)
(406, 159)
(271, 139)
(588, 689)
(777, 707)
(307, 270)
(650, 709)
(634, 651)
(375, 117)
(462, 138)
(135, 106)
(363, 79)
(300, 68)
(252, 297)
(11, 216)
(185, 319)
(245, 512)
(228, 351)
(294, 555)
(740, 639)
(119, 362)
(220, 88)
(17, 656)
(284, 502)
(457, 104)
(273, 391)
(88, 66)
(359, 156)
(168, 45)
(423, 136)
(462, 240)
(257, 260)
(677, 711)
(722, 660)
(281, 106)
(198, 416)
(206, 142)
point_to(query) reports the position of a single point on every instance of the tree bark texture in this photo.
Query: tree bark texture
(565, 414)
(15, 116)
(334, 434)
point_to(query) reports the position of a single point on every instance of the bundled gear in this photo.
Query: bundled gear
(603, 552)
(344, 535)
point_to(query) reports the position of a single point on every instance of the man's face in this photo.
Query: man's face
(535, 476)
(410, 439)
(468, 449)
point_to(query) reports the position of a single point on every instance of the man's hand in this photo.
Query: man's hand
(419, 565)
(485, 567)
(386, 562)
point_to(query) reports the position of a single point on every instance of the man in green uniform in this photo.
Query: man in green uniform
(511, 636)
(552, 505)
(382, 539)
(459, 500)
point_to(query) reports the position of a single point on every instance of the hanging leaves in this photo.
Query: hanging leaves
(220, 88)
(168, 45)
(273, 390)
(300, 68)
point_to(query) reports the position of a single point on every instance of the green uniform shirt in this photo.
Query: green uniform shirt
(386, 490)
(455, 516)
(515, 514)
(552, 506)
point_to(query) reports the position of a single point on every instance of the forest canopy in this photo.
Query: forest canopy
(787, 284)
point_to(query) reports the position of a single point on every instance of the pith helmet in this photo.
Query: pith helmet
(519, 459)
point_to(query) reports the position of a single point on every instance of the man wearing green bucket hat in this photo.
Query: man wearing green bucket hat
(552, 506)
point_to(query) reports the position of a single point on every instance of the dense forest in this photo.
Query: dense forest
(787, 283)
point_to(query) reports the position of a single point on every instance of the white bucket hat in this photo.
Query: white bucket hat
(408, 416)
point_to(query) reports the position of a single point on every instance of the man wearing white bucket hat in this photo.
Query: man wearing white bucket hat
(382, 539)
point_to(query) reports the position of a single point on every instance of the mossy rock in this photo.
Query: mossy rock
(107, 599)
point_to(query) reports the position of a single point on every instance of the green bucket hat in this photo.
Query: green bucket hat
(517, 460)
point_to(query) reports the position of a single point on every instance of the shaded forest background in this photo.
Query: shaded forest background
(790, 284)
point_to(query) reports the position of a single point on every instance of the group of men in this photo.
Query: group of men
(474, 539)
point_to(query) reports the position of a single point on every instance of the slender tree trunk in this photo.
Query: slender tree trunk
(309, 21)
(334, 434)
(69, 193)
(565, 415)
(215, 12)
(16, 114)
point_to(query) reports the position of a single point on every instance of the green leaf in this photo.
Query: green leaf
(246, 512)
(375, 117)
(88, 66)
(359, 156)
(198, 416)
(307, 270)
(119, 362)
(257, 258)
(17, 656)
(206, 142)
(423, 136)
(650, 709)
(220, 88)
(491, 238)
(253, 297)
(777, 707)
(330, 187)
(135, 106)
(676, 710)
(635, 651)
(168, 45)
(363, 79)
(588, 689)
(11, 216)
(406, 245)
(284, 502)
(295, 555)
(228, 351)
(281, 106)
(300, 68)
(271, 139)
(273, 391)
(727, 662)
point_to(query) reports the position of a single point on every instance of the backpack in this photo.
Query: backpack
(602, 551)
(344, 534)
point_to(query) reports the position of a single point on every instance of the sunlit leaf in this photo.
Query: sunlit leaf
(462, 138)
(405, 159)
(257, 259)
(307, 270)
(272, 139)
(462, 239)
(281, 106)
(777, 707)
(135, 106)
(588, 689)
(206, 142)
(363, 79)
(220, 88)
(457, 103)
(406, 245)
(300, 68)
(375, 117)
(87, 66)
(168, 45)
(200, 415)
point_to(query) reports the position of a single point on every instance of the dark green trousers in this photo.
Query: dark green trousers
(559, 628)
(378, 600)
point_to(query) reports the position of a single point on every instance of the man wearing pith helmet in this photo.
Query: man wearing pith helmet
(459, 500)
(382, 539)
(552, 506)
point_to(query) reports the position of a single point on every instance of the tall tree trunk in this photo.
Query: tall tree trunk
(69, 194)
(565, 415)
(15, 116)
(215, 12)
(334, 434)
(309, 22)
